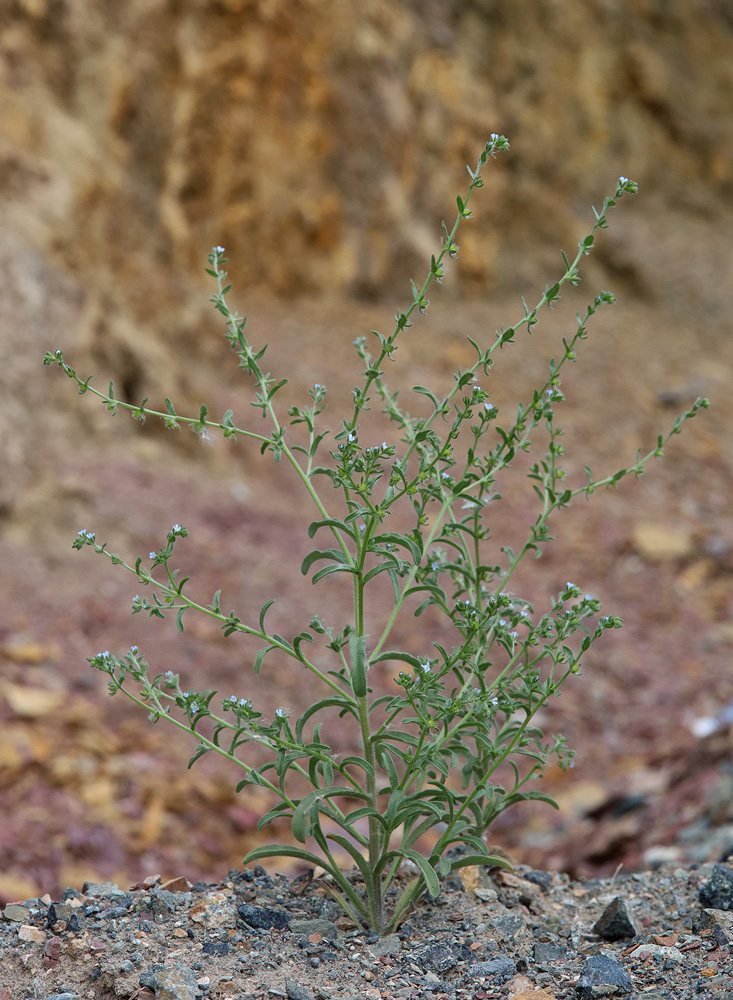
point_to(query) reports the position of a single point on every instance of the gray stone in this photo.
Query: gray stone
(542, 879)
(441, 957)
(617, 922)
(500, 969)
(643, 951)
(389, 945)
(16, 912)
(720, 922)
(162, 901)
(262, 918)
(326, 928)
(548, 951)
(717, 893)
(297, 992)
(175, 983)
(102, 890)
(603, 976)
(508, 926)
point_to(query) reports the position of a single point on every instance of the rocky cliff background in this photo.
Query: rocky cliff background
(322, 142)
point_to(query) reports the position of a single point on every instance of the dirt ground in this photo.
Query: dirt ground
(89, 790)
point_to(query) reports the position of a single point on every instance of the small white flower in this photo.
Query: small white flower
(623, 180)
(488, 406)
(218, 250)
(152, 555)
(281, 713)
(233, 699)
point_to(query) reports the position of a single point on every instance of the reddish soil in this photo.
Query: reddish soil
(89, 790)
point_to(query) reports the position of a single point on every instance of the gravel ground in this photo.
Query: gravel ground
(526, 935)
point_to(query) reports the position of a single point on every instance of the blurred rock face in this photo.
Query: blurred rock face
(321, 141)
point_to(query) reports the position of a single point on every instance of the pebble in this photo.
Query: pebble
(603, 976)
(500, 969)
(295, 991)
(617, 922)
(259, 916)
(717, 894)
(175, 983)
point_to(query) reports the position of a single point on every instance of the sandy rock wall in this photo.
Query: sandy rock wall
(321, 142)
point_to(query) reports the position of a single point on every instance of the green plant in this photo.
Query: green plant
(468, 708)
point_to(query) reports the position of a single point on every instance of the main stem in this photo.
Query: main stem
(374, 891)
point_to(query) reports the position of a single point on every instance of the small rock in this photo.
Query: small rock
(326, 928)
(542, 879)
(28, 932)
(500, 969)
(717, 893)
(102, 890)
(548, 951)
(52, 948)
(389, 945)
(178, 884)
(162, 901)
(216, 948)
(441, 957)
(297, 992)
(176, 983)
(603, 976)
(261, 917)
(617, 922)
(720, 922)
(16, 911)
(508, 926)
(216, 909)
(666, 952)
